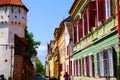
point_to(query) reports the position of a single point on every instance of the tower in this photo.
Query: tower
(13, 20)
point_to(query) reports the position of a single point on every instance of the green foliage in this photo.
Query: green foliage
(39, 67)
(32, 43)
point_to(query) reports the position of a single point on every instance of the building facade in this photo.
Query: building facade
(95, 49)
(50, 60)
(69, 47)
(14, 57)
(87, 44)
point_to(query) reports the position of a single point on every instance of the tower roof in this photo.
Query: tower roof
(12, 2)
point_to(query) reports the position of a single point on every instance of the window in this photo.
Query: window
(80, 28)
(104, 9)
(74, 67)
(68, 49)
(85, 68)
(71, 49)
(88, 66)
(85, 23)
(79, 66)
(107, 5)
(92, 14)
(70, 67)
(60, 67)
(75, 34)
(91, 65)
(106, 60)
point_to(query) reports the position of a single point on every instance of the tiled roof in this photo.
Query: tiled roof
(12, 2)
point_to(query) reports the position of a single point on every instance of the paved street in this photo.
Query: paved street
(39, 78)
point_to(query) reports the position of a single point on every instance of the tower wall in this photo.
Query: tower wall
(13, 20)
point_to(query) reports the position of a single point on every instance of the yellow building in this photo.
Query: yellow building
(50, 60)
(56, 53)
(60, 50)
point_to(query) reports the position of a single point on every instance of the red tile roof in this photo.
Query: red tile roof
(12, 2)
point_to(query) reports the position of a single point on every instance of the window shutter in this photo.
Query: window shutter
(92, 14)
(60, 67)
(68, 49)
(82, 66)
(85, 24)
(80, 29)
(87, 66)
(101, 10)
(70, 67)
(76, 67)
(98, 64)
(111, 7)
(93, 74)
(114, 61)
(75, 34)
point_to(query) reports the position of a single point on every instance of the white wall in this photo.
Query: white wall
(13, 20)
(5, 60)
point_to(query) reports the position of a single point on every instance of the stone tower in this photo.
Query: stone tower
(13, 20)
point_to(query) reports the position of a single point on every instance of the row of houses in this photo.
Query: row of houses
(86, 44)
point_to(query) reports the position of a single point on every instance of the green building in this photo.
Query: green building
(96, 48)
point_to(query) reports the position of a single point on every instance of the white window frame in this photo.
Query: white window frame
(107, 9)
(109, 64)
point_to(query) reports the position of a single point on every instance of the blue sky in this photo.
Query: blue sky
(43, 17)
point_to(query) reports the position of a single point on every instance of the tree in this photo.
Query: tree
(32, 43)
(32, 51)
(39, 67)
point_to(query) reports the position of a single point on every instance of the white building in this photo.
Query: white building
(69, 45)
(13, 20)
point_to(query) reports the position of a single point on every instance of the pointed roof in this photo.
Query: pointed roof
(12, 2)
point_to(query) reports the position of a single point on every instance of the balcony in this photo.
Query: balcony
(97, 33)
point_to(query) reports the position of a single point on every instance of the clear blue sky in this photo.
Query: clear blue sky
(43, 17)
